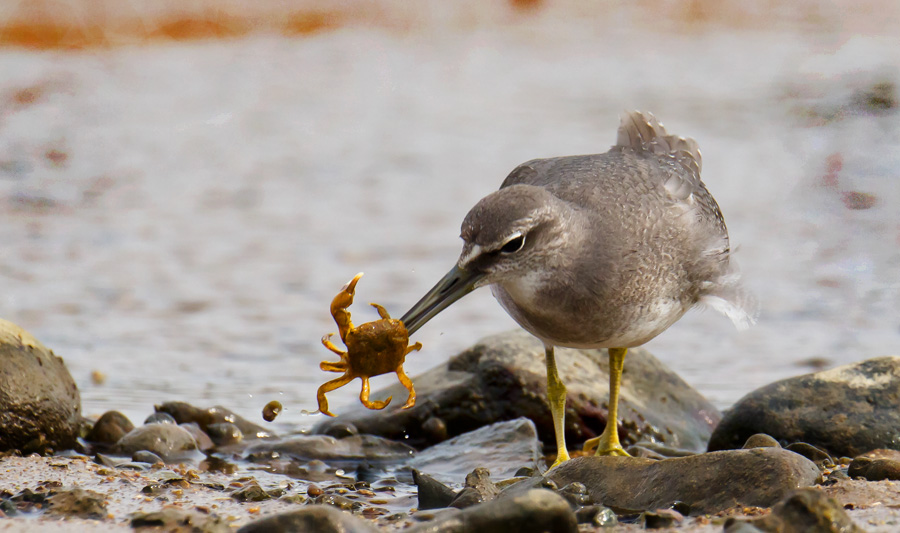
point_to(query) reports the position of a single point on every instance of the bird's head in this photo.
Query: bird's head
(509, 234)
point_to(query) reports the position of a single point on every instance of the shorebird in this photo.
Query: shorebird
(598, 251)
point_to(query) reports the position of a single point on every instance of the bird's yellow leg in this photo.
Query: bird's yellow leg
(327, 387)
(556, 394)
(608, 441)
(364, 396)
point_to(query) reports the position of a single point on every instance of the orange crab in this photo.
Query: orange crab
(373, 349)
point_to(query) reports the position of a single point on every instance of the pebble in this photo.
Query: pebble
(109, 428)
(312, 518)
(171, 443)
(801, 511)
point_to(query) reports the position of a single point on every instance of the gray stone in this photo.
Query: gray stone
(535, 511)
(504, 377)
(78, 503)
(317, 518)
(847, 410)
(479, 489)
(760, 440)
(708, 483)
(40, 408)
(356, 448)
(171, 443)
(503, 447)
(432, 494)
(174, 520)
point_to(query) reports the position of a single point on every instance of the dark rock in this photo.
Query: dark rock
(160, 418)
(876, 465)
(40, 408)
(200, 437)
(251, 492)
(355, 449)
(536, 511)
(479, 489)
(78, 503)
(171, 443)
(760, 440)
(184, 413)
(432, 493)
(661, 518)
(341, 502)
(341, 429)
(803, 511)
(597, 516)
(176, 520)
(111, 427)
(708, 483)
(811, 452)
(576, 494)
(847, 410)
(318, 518)
(224, 434)
(505, 446)
(504, 377)
(144, 456)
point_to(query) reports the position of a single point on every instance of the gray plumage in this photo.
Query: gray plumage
(617, 246)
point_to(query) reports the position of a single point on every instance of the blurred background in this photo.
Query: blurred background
(185, 184)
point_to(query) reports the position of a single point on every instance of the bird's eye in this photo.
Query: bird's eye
(513, 245)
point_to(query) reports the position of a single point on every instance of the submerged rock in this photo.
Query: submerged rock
(40, 408)
(318, 518)
(504, 377)
(802, 511)
(847, 410)
(170, 442)
(537, 511)
(175, 520)
(505, 447)
(356, 448)
(707, 483)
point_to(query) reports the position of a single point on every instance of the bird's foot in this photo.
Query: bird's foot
(561, 457)
(605, 447)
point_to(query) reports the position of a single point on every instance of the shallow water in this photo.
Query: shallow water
(179, 216)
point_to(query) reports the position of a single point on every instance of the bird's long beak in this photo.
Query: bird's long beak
(453, 286)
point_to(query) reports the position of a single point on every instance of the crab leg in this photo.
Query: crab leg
(382, 312)
(328, 387)
(364, 396)
(404, 379)
(326, 341)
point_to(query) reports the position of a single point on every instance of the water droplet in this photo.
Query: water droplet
(339, 472)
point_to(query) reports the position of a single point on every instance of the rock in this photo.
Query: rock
(661, 518)
(111, 427)
(432, 493)
(144, 456)
(802, 511)
(172, 443)
(40, 408)
(160, 418)
(318, 518)
(811, 452)
(224, 434)
(504, 377)
(355, 449)
(176, 520)
(203, 441)
(251, 492)
(479, 489)
(847, 410)
(504, 447)
(597, 516)
(78, 503)
(184, 413)
(707, 483)
(760, 440)
(876, 465)
(535, 511)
